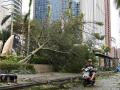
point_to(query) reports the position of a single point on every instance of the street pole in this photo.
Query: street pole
(93, 14)
(11, 24)
(28, 42)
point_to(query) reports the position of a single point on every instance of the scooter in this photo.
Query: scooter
(86, 77)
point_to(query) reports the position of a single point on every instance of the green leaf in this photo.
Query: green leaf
(117, 2)
(102, 37)
(98, 36)
(99, 23)
(5, 19)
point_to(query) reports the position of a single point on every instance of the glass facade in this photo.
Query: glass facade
(58, 7)
(75, 8)
(40, 9)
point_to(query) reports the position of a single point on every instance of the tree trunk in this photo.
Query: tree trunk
(25, 60)
(28, 39)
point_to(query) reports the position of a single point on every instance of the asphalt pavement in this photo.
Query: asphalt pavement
(103, 83)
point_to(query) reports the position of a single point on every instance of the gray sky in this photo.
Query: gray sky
(115, 20)
(25, 6)
(115, 23)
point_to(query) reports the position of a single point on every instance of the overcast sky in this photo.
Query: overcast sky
(115, 20)
(115, 23)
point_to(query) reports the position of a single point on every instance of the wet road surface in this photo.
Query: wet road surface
(106, 83)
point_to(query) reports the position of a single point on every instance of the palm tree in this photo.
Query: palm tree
(117, 2)
(5, 33)
(5, 19)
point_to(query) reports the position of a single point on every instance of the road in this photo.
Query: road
(105, 83)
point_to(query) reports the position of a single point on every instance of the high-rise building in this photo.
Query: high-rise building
(8, 7)
(40, 9)
(57, 7)
(75, 8)
(96, 11)
(107, 23)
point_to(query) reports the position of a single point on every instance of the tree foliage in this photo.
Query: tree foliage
(98, 36)
(5, 19)
(60, 50)
(117, 2)
(105, 49)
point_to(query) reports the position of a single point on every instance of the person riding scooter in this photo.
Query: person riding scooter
(89, 73)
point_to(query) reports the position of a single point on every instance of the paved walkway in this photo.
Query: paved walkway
(45, 76)
(106, 83)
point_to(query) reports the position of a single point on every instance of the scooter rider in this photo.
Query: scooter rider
(92, 69)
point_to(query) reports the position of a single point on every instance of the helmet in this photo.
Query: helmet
(90, 60)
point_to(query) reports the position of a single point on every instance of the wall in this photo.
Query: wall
(42, 68)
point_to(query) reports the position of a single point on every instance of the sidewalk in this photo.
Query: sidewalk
(46, 77)
(39, 79)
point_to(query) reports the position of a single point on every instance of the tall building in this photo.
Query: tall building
(57, 7)
(8, 7)
(40, 9)
(75, 8)
(96, 11)
(107, 23)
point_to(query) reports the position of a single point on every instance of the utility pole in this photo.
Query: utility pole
(11, 24)
(62, 16)
(28, 37)
(93, 14)
(29, 25)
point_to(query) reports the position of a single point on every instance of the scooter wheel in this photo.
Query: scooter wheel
(93, 83)
(84, 83)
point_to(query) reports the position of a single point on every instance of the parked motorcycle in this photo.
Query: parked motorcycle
(87, 73)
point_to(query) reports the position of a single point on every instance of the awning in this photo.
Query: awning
(103, 56)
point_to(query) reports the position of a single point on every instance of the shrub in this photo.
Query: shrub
(9, 59)
(16, 68)
(106, 68)
(39, 60)
(74, 61)
(9, 64)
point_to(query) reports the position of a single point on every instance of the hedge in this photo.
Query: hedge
(16, 68)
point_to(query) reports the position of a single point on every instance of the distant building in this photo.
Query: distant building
(58, 7)
(97, 11)
(107, 23)
(75, 8)
(8, 7)
(94, 11)
(40, 9)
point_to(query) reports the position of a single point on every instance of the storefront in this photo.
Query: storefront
(105, 61)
